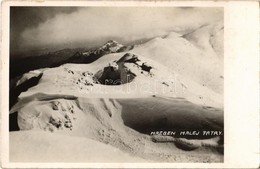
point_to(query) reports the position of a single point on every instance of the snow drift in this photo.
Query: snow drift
(111, 120)
(168, 83)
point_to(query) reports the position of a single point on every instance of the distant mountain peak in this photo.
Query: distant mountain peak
(91, 55)
(111, 42)
(112, 46)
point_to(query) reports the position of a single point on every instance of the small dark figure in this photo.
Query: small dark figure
(146, 68)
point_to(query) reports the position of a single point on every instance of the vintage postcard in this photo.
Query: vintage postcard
(129, 84)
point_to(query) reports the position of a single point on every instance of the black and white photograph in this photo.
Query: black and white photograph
(149, 84)
(116, 84)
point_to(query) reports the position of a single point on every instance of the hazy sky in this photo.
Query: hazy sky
(37, 28)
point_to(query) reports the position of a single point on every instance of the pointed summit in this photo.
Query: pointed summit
(89, 56)
(111, 46)
(111, 42)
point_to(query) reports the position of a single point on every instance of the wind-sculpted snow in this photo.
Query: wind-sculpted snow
(197, 56)
(159, 101)
(137, 77)
(166, 114)
(209, 38)
(111, 120)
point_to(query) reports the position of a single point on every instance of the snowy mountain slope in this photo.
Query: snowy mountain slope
(24, 68)
(105, 120)
(60, 57)
(209, 38)
(186, 59)
(59, 148)
(172, 82)
(82, 80)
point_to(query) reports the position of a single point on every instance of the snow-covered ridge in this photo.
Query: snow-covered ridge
(208, 38)
(171, 82)
(200, 73)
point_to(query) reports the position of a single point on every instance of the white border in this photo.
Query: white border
(241, 84)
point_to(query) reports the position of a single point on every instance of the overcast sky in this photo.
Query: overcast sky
(37, 28)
